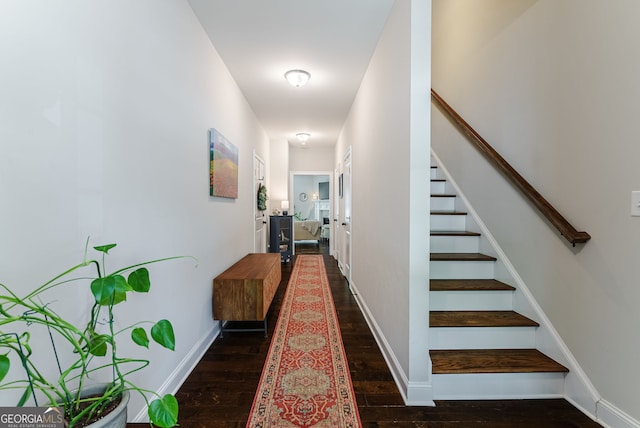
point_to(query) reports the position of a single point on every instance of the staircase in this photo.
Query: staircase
(480, 347)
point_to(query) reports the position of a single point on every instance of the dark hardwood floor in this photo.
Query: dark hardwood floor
(219, 392)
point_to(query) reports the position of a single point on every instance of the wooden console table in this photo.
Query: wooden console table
(245, 290)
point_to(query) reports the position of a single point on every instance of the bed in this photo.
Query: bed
(307, 230)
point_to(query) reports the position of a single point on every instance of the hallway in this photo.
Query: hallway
(220, 391)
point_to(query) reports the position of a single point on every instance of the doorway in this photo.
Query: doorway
(343, 228)
(311, 200)
(260, 220)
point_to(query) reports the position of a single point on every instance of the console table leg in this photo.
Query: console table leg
(265, 327)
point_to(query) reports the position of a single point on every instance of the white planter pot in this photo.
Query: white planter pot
(115, 419)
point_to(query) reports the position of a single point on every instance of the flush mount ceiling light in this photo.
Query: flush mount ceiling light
(297, 78)
(303, 137)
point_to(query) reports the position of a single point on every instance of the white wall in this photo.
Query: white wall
(388, 130)
(307, 183)
(553, 86)
(307, 160)
(105, 111)
(311, 158)
(278, 185)
(303, 184)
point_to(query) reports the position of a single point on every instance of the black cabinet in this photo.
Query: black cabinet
(281, 236)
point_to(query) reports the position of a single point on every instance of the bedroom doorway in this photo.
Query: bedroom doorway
(311, 204)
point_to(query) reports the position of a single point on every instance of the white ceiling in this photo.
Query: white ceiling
(259, 40)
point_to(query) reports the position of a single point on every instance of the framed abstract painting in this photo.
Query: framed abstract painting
(223, 166)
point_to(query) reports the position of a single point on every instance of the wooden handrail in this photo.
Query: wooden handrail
(550, 213)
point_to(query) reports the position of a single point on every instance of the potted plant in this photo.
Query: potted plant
(93, 345)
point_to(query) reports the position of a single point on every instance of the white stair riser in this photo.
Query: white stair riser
(482, 337)
(443, 203)
(461, 270)
(448, 222)
(437, 187)
(498, 386)
(495, 300)
(455, 244)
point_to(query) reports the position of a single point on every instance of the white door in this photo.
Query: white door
(336, 234)
(260, 219)
(345, 218)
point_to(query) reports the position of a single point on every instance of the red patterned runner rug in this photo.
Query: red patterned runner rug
(305, 381)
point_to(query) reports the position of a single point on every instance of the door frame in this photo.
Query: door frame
(345, 216)
(259, 177)
(329, 174)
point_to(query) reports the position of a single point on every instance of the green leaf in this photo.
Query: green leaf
(139, 336)
(103, 289)
(98, 345)
(163, 412)
(5, 364)
(139, 280)
(110, 290)
(104, 248)
(122, 287)
(162, 333)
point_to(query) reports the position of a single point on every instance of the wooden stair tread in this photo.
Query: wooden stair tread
(448, 213)
(493, 361)
(479, 319)
(468, 285)
(453, 233)
(460, 257)
(472, 361)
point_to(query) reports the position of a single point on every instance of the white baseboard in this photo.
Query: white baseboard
(413, 393)
(419, 394)
(182, 371)
(611, 417)
(579, 390)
